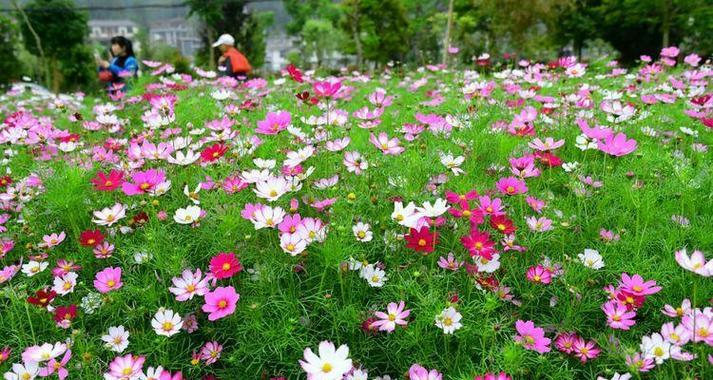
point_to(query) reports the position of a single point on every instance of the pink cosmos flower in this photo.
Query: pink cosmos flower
(220, 302)
(639, 362)
(635, 285)
(189, 285)
(565, 341)
(210, 352)
(511, 186)
(539, 274)
(541, 224)
(386, 145)
(417, 372)
(143, 182)
(493, 376)
(677, 312)
(585, 350)
(274, 123)
(326, 89)
(126, 367)
(547, 145)
(57, 366)
(449, 263)
(531, 337)
(53, 240)
(695, 263)
(678, 335)
(166, 375)
(617, 145)
(107, 280)
(699, 325)
(618, 316)
(395, 315)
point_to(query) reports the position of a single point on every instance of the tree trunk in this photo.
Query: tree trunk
(447, 38)
(211, 52)
(357, 41)
(666, 26)
(43, 59)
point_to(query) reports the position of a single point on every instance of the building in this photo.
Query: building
(101, 31)
(177, 32)
(277, 46)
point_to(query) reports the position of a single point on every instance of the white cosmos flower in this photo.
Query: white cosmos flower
(117, 339)
(268, 217)
(449, 320)
(34, 267)
(405, 216)
(65, 284)
(453, 163)
(110, 215)
(362, 231)
(187, 215)
(264, 164)
(43, 353)
(272, 188)
(27, 371)
(166, 322)
(433, 211)
(485, 265)
(374, 276)
(655, 347)
(591, 259)
(183, 159)
(296, 158)
(292, 243)
(193, 195)
(331, 364)
(255, 175)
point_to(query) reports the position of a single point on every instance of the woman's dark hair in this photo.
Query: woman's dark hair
(124, 43)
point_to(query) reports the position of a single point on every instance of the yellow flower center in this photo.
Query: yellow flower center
(326, 368)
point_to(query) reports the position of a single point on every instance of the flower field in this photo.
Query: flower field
(511, 220)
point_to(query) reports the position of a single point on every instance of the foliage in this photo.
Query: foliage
(10, 67)
(62, 40)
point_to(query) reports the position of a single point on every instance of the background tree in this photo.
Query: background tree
(70, 61)
(10, 66)
(232, 17)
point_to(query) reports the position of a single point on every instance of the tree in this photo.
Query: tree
(10, 66)
(232, 17)
(62, 39)
(377, 29)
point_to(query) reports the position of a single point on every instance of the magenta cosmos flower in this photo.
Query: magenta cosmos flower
(511, 186)
(143, 182)
(326, 88)
(107, 280)
(531, 337)
(493, 376)
(539, 274)
(395, 315)
(220, 302)
(637, 286)
(617, 145)
(274, 123)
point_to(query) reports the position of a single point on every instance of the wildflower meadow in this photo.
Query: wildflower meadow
(511, 219)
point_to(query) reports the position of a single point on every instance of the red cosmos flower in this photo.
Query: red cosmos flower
(478, 243)
(548, 159)
(422, 240)
(5, 180)
(631, 301)
(502, 224)
(110, 182)
(213, 152)
(708, 122)
(295, 73)
(91, 238)
(65, 314)
(225, 265)
(141, 218)
(368, 328)
(72, 137)
(42, 297)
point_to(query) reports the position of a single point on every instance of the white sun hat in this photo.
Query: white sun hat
(225, 39)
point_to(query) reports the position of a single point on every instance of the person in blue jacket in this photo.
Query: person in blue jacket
(123, 64)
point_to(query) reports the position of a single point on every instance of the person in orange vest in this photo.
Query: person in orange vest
(233, 62)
